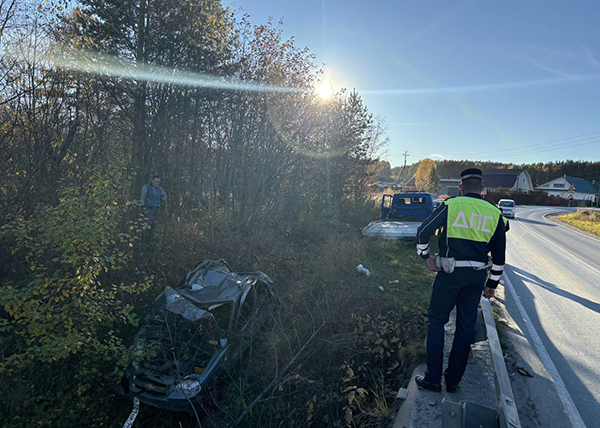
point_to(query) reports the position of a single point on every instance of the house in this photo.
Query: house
(565, 186)
(515, 180)
(409, 185)
(449, 186)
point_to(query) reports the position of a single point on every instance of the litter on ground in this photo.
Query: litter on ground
(360, 268)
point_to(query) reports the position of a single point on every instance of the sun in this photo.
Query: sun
(325, 90)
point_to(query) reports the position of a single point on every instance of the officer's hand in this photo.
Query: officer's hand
(431, 264)
(488, 292)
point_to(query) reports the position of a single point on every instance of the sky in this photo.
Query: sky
(507, 81)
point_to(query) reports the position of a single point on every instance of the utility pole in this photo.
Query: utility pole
(402, 171)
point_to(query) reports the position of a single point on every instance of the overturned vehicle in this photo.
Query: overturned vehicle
(195, 333)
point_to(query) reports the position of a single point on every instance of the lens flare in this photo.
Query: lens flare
(105, 65)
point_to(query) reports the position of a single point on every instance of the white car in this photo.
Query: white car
(507, 206)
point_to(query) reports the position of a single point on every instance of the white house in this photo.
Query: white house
(565, 186)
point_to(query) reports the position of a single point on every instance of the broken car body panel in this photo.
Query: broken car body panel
(196, 332)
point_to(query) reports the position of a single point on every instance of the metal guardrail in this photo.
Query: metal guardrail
(467, 414)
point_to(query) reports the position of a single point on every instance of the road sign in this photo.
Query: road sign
(570, 198)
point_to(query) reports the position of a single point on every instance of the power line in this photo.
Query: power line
(547, 145)
(552, 142)
(547, 149)
(554, 147)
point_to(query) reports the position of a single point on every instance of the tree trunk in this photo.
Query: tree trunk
(139, 121)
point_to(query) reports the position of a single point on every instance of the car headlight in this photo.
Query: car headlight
(189, 387)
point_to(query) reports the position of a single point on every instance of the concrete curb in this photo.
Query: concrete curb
(423, 408)
(406, 414)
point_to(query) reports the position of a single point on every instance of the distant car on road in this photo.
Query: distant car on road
(507, 206)
(195, 333)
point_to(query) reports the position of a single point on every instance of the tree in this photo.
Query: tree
(194, 36)
(426, 177)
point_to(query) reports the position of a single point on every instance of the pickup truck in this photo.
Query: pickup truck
(401, 215)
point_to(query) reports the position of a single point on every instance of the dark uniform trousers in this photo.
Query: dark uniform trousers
(462, 288)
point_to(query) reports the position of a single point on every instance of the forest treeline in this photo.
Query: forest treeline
(540, 172)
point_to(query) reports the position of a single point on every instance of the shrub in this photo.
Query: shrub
(64, 304)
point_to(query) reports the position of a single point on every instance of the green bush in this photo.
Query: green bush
(65, 302)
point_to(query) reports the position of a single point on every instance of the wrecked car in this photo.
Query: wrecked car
(195, 333)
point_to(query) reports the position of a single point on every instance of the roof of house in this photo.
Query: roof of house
(581, 185)
(500, 177)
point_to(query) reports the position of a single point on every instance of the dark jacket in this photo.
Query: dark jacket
(152, 196)
(464, 249)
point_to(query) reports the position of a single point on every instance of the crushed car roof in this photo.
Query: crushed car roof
(215, 282)
(179, 305)
(228, 290)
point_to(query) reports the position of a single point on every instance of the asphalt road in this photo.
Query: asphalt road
(555, 272)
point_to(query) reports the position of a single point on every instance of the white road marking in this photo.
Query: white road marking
(572, 228)
(131, 419)
(561, 389)
(561, 249)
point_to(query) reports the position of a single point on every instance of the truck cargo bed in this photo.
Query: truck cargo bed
(392, 229)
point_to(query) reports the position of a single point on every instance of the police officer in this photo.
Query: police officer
(470, 229)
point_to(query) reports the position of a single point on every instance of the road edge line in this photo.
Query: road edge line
(560, 248)
(570, 227)
(559, 385)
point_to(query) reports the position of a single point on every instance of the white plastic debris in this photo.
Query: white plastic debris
(381, 288)
(396, 281)
(364, 270)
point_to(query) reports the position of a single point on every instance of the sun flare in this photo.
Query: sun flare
(325, 90)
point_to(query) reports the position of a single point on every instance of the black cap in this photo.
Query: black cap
(471, 173)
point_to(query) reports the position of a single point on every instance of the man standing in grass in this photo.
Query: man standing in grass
(471, 228)
(152, 196)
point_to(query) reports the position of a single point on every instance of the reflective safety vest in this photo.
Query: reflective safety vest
(472, 219)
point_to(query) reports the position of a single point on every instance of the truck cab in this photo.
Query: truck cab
(406, 206)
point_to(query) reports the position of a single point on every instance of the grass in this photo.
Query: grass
(500, 328)
(378, 334)
(391, 261)
(324, 276)
(586, 220)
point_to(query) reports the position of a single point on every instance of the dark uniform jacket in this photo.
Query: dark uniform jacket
(470, 229)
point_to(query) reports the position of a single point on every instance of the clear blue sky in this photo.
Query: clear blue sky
(486, 80)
